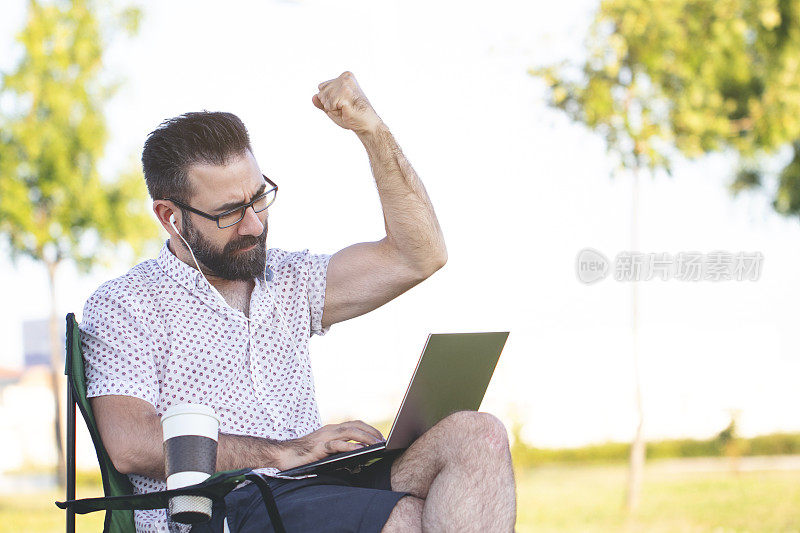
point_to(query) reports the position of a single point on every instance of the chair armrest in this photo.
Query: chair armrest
(215, 487)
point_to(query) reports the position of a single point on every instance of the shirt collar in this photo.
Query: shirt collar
(194, 282)
(189, 277)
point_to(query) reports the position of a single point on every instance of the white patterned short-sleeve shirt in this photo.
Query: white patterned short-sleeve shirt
(159, 333)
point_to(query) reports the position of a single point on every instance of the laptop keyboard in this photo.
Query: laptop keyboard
(342, 455)
(356, 452)
(309, 466)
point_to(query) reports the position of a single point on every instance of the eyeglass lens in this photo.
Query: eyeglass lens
(235, 216)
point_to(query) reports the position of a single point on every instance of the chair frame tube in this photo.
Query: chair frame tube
(70, 433)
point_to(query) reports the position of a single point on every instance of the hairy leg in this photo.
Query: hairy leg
(462, 468)
(406, 516)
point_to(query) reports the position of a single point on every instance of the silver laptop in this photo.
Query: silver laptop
(452, 374)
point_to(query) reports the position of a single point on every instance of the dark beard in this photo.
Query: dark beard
(229, 264)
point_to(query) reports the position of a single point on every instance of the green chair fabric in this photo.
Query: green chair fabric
(114, 483)
(119, 501)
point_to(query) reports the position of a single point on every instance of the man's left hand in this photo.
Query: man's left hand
(345, 103)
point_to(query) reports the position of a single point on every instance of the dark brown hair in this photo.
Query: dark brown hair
(179, 142)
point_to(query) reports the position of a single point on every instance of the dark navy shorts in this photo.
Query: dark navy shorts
(338, 502)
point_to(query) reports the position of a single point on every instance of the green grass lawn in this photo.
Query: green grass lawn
(35, 512)
(590, 499)
(563, 498)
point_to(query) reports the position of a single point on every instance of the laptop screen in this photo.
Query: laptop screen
(452, 374)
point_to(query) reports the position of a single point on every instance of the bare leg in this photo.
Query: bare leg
(406, 516)
(462, 468)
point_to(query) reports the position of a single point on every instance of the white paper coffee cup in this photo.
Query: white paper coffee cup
(190, 453)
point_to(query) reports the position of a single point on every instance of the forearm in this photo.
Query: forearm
(146, 456)
(132, 435)
(242, 451)
(412, 228)
(133, 438)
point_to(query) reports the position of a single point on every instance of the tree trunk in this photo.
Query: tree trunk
(56, 370)
(637, 456)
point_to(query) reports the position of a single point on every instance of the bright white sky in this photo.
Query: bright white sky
(518, 191)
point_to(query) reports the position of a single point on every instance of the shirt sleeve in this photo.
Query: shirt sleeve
(317, 270)
(117, 349)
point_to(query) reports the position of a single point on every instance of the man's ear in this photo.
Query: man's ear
(165, 211)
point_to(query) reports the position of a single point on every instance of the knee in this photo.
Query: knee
(475, 420)
(477, 428)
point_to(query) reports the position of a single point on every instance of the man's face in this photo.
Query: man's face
(238, 252)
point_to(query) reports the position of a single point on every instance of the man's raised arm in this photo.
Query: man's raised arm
(365, 276)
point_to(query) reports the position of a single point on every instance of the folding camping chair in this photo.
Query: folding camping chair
(119, 501)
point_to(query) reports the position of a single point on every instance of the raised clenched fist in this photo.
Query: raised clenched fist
(345, 103)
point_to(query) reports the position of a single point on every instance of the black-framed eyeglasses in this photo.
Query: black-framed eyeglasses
(233, 216)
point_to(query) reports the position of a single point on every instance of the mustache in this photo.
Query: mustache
(246, 242)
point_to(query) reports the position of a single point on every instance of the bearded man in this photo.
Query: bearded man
(219, 319)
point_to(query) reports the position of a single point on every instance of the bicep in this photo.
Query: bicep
(363, 277)
(131, 432)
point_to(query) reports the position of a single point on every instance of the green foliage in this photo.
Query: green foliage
(525, 456)
(728, 435)
(54, 204)
(684, 448)
(774, 444)
(690, 77)
(610, 452)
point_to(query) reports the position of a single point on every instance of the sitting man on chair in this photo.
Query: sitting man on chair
(219, 319)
